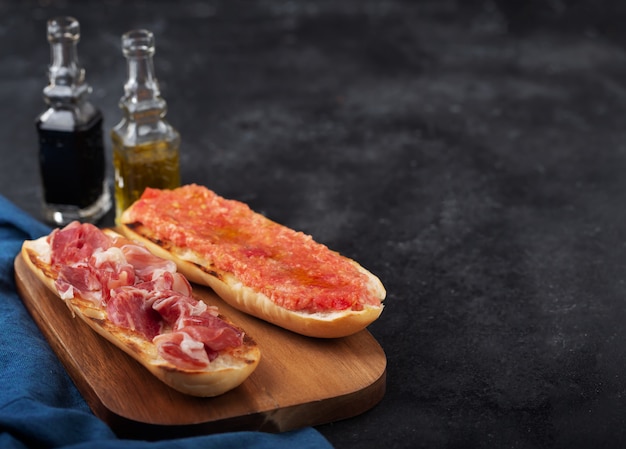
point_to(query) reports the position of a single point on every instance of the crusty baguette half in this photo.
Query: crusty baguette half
(331, 324)
(231, 368)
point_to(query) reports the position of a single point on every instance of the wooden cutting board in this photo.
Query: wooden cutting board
(300, 381)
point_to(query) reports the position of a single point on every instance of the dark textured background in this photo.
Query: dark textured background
(470, 153)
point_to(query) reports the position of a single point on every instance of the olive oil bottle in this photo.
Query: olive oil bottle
(71, 147)
(145, 145)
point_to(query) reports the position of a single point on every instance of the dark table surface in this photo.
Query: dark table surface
(471, 154)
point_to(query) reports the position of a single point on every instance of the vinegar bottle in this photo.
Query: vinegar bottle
(145, 145)
(71, 150)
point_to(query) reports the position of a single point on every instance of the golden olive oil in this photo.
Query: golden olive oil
(153, 164)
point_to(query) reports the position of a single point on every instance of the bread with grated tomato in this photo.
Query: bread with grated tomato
(255, 264)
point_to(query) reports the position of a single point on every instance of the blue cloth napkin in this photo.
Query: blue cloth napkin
(39, 405)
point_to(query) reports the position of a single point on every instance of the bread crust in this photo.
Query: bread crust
(227, 371)
(231, 290)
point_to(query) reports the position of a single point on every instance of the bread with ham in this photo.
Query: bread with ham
(255, 264)
(142, 304)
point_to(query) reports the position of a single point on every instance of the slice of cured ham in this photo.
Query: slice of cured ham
(139, 292)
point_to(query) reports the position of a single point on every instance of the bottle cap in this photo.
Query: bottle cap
(63, 28)
(137, 43)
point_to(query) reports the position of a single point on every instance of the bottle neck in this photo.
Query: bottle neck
(141, 90)
(142, 96)
(66, 76)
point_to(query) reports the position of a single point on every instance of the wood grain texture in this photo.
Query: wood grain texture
(300, 381)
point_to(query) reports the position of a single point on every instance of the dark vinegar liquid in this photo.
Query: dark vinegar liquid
(72, 164)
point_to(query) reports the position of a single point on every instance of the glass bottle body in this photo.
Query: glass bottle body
(71, 147)
(145, 145)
